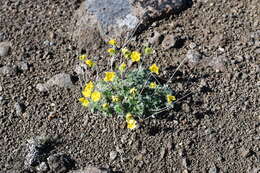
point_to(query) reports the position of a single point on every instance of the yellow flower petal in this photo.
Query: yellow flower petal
(82, 57)
(89, 86)
(154, 69)
(126, 52)
(105, 106)
(86, 93)
(96, 96)
(109, 76)
(90, 63)
(153, 85)
(128, 117)
(132, 124)
(135, 56)
(84, 101)
(112, 42)
(133, 91)
(170, 98)
(122, 67)
(112, 51)
(115, 99)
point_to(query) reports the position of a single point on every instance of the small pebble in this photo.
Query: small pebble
(18, 108)
(169, 41)
(41, 87)
(112, 155)
(5, 48)
(193, 56)
(213, 169)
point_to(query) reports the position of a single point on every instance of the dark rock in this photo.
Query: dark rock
(59, 163)
(117, 19)
(5, 48)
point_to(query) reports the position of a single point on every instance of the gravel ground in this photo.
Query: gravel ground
(215, 128)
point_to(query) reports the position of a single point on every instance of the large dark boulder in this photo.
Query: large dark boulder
(100, 20)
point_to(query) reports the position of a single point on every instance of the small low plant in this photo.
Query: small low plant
(132, 94)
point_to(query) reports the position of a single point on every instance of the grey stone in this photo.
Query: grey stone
(245, 152)
(117, 19)
(186, 107)
(156, 38)
(80, 69)
(162, 152)
(34, 152)
(23, 66)
(218, 63)
(192, 45)
(1, 88)
(62, 80)
(169, 41)
(91, 169)
(112, 155)
(5, 48)
(59, 163)
(41, 87)
(213, 169)
(193, 56)
(18, 108)
(42, 167)
(184, 163)
(7, 70)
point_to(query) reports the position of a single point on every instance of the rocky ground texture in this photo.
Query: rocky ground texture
(215, 128)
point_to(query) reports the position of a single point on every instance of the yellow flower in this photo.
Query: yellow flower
(153, 85)
(126, 52)
(128, 117)
(109, 76)
(87, 93)
(96, 96)
(112, 42)
(115, 99)
(133, 91)
(105, 106)
(112, 51)
(82, 57)
(84, 101)
(135, 56)
(89, 86)
(148, 51)
(122, 67)
(132, 124)
(90, 63)
(153, 68)
(170, 98)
